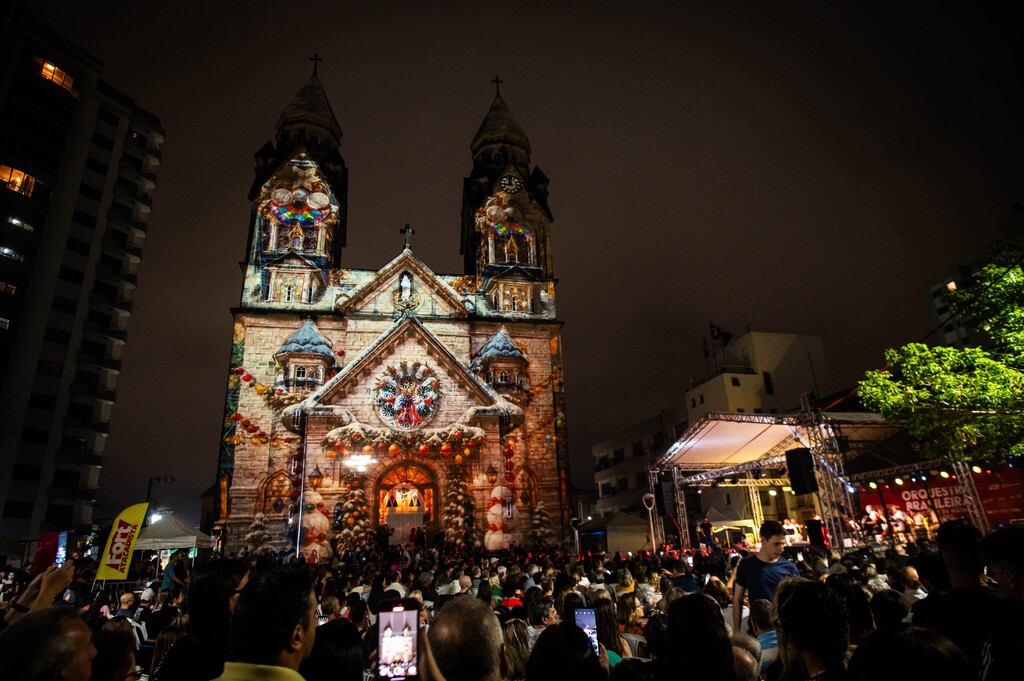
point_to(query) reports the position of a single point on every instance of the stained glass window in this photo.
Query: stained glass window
(276, 493)
(516, 299)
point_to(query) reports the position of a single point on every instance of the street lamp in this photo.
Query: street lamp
(574, 523)
(649, 505)
(492, 474)
(316, 478)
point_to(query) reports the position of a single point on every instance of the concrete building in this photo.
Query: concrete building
(761, 373)
(623, 461)
(77, 168)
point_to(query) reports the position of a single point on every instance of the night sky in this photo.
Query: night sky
(797, 169)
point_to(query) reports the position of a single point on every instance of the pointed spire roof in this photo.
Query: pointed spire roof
(499, 126)
(498, 346)
(310, 107)
(307, 340)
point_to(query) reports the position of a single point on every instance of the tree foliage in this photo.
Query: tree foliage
(964, 403)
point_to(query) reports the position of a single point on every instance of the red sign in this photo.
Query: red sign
(121, 541)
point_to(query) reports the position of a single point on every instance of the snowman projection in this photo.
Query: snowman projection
(502, 516)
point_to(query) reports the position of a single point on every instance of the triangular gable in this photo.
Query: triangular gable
(371, 358)
(291, 258)
(405, 261)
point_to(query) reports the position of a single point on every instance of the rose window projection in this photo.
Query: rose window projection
(406, 396)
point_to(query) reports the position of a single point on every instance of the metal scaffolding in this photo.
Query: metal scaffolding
(755, 501)
(681, 515)
(833, 494)
(972, 500)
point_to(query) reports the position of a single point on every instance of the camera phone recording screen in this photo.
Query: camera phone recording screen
(398, 630)
(587, 621)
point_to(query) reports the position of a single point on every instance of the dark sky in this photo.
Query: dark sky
(796, 168)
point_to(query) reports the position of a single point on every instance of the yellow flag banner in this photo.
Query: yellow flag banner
(118, 553)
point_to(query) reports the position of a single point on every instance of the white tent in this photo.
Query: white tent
(171, 532)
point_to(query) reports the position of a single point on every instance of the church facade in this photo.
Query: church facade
(396, 398)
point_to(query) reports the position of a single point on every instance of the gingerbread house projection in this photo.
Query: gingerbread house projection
(399, 397)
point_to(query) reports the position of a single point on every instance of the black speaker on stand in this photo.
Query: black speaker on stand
(800, 463)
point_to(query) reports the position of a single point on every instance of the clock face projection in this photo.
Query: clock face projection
(406, 396)
(300, 202)
(511, 184)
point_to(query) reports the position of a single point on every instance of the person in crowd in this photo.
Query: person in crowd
(888, 608)
(274, 626)
(764, 630)
(330, 608)
(628, 612)
(200, 656)
(812, 627)
(47, 644)
(516, 635)
(913, 590)
(168, 636)
(337, 653)
(608, 631)
(656, 636)
(115, 656)
(1004, 554)
(127, 608)
(744, 663)
(698, 641)
(679, 574)
(542, 614)
(906, 652)
(856, 604)
(564, 652)
(467, 643)
(359, 615)
(969, 612)
(759, 574)
(172, 579)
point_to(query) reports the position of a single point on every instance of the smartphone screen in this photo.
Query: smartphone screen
(321, 620)
(399, 626)
(587, 621)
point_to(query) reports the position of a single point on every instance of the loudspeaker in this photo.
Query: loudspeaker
(665, 498)
(801, 471)
(815, 532)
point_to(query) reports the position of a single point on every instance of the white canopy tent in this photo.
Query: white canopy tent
(171, 532)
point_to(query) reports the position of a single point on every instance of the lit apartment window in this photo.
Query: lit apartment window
(9, 252)
(21, 224)
(951, 285)
(16, 180)
(7, 288)
(51, 72)
(4, 324)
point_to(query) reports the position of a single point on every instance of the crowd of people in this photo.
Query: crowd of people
(952, 609)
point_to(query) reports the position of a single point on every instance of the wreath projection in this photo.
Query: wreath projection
(406, 396)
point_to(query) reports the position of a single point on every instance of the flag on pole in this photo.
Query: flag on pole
(118, 552)
(723, 337)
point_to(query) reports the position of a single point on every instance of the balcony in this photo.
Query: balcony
(298, 384)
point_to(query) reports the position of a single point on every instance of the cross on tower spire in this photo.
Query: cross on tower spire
(408, 232)
(316, 59)
(497, 85)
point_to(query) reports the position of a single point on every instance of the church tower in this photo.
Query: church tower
(360, 400)
(299, 201)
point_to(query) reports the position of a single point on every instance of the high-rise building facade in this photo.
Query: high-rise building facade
(78, 162)
(366, 401)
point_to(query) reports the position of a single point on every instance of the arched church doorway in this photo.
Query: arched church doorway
(406, 496)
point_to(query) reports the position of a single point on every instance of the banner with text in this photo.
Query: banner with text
(1001, 492)
(118, 553)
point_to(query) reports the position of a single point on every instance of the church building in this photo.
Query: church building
(396, 398)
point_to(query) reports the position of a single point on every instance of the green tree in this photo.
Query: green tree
(964, 404)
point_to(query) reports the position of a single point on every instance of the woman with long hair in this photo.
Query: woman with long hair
(628, 612)
(699, 639)
(608, 632)
(517, 648)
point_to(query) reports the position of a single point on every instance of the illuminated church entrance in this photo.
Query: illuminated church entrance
(407, 497)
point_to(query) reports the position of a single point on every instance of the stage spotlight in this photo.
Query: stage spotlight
(849, 488)
(976, 469)
(873, 485)
(735, 480)
(714, 484)
(756, 473)
(899, 481)
(944, 474)
(772, 492)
